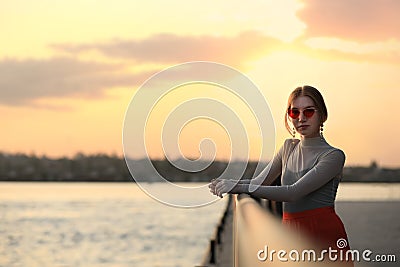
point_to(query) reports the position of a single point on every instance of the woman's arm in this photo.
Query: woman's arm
(274, 168)
(327, 168)
(267, 176)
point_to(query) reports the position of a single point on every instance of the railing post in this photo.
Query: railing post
(212, 252)
(220, 249)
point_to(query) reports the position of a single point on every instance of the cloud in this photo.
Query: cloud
(236, 51)
(172, 49)
(23, 81)
(338, 49)
(335, 54)
(358, 20)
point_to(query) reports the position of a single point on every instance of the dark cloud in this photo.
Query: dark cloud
(358, 20)
(22, 81)
(170, 48)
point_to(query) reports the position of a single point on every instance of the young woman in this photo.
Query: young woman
(310, 171)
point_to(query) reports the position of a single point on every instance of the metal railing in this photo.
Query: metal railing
(260, 239)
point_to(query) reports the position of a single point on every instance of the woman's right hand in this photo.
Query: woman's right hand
(213, 185)
(218, 184)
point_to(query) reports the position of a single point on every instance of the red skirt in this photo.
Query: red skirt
(322, 225)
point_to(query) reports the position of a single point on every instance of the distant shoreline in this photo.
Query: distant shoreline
(106, 168)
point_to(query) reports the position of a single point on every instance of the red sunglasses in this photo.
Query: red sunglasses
(294, 113)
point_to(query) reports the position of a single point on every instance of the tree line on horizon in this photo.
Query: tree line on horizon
(111, 168)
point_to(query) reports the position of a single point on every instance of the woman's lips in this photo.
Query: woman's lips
(302, 127)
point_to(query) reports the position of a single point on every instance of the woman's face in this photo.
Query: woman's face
(307, 127)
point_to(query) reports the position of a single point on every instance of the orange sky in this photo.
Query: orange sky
(68, 69)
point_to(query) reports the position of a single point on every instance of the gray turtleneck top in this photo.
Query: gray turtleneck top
(310, 172)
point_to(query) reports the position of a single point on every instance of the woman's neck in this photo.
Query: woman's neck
(312, 141)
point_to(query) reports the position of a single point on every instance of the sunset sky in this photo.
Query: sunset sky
(68, 69)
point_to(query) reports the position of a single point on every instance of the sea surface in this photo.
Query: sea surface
(117, 224)
(99, 224)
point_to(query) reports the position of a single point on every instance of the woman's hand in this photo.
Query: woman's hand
(221, 186)
(213, 184)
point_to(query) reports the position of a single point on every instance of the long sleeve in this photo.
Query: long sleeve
(327, 167)
(272, 171)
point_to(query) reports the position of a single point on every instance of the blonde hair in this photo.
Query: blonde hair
(316, 97)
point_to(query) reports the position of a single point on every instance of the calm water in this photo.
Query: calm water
(111, 224)
(101, 224)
